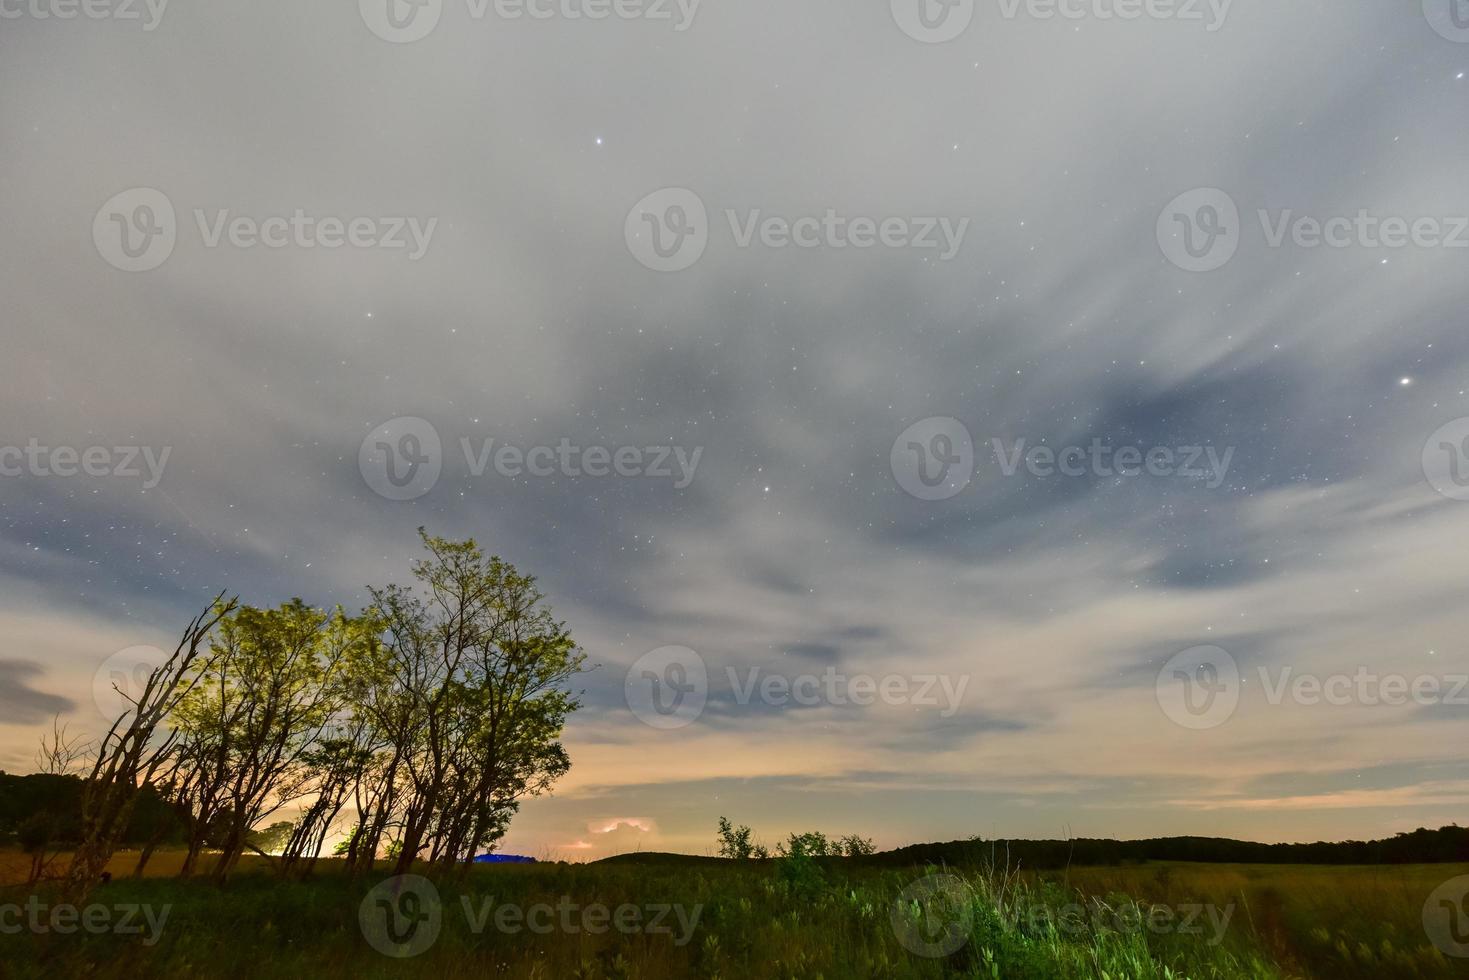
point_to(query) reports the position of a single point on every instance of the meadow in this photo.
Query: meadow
(665, 917)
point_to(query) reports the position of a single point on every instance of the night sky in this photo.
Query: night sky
(540, 150)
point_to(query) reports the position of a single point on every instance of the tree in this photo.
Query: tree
(468, 694)
(272, 838)
(812, 844)
(255, 713)
(737, 843)
(128, 758)
(60, 753)
(428, 718)
(854, 846)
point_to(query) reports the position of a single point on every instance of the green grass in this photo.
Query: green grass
(831, 920)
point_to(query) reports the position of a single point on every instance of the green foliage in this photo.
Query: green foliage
(272, 838)
(55, 802)
(755, 920)
(736, 842)
(812, 844)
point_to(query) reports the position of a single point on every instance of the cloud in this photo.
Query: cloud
(20, 703)
(794, 549)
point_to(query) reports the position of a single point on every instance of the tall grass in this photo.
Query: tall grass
(812, 920)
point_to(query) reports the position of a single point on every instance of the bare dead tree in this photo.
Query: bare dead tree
(59, 752)
(129, 756)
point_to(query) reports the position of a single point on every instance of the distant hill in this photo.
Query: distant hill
(1447, 844)
(659, 857)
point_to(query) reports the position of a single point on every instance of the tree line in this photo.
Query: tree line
(739, 844)
(422, 722)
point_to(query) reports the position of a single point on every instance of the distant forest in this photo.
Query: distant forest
(24, 798)
(1447, 844)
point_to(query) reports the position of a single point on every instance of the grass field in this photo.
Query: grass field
(713, 919)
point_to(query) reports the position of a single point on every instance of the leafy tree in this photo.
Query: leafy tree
(854, 846)
(813, 844)
(737, 842)
(255, 711)
(469, 697)
(272, 838)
